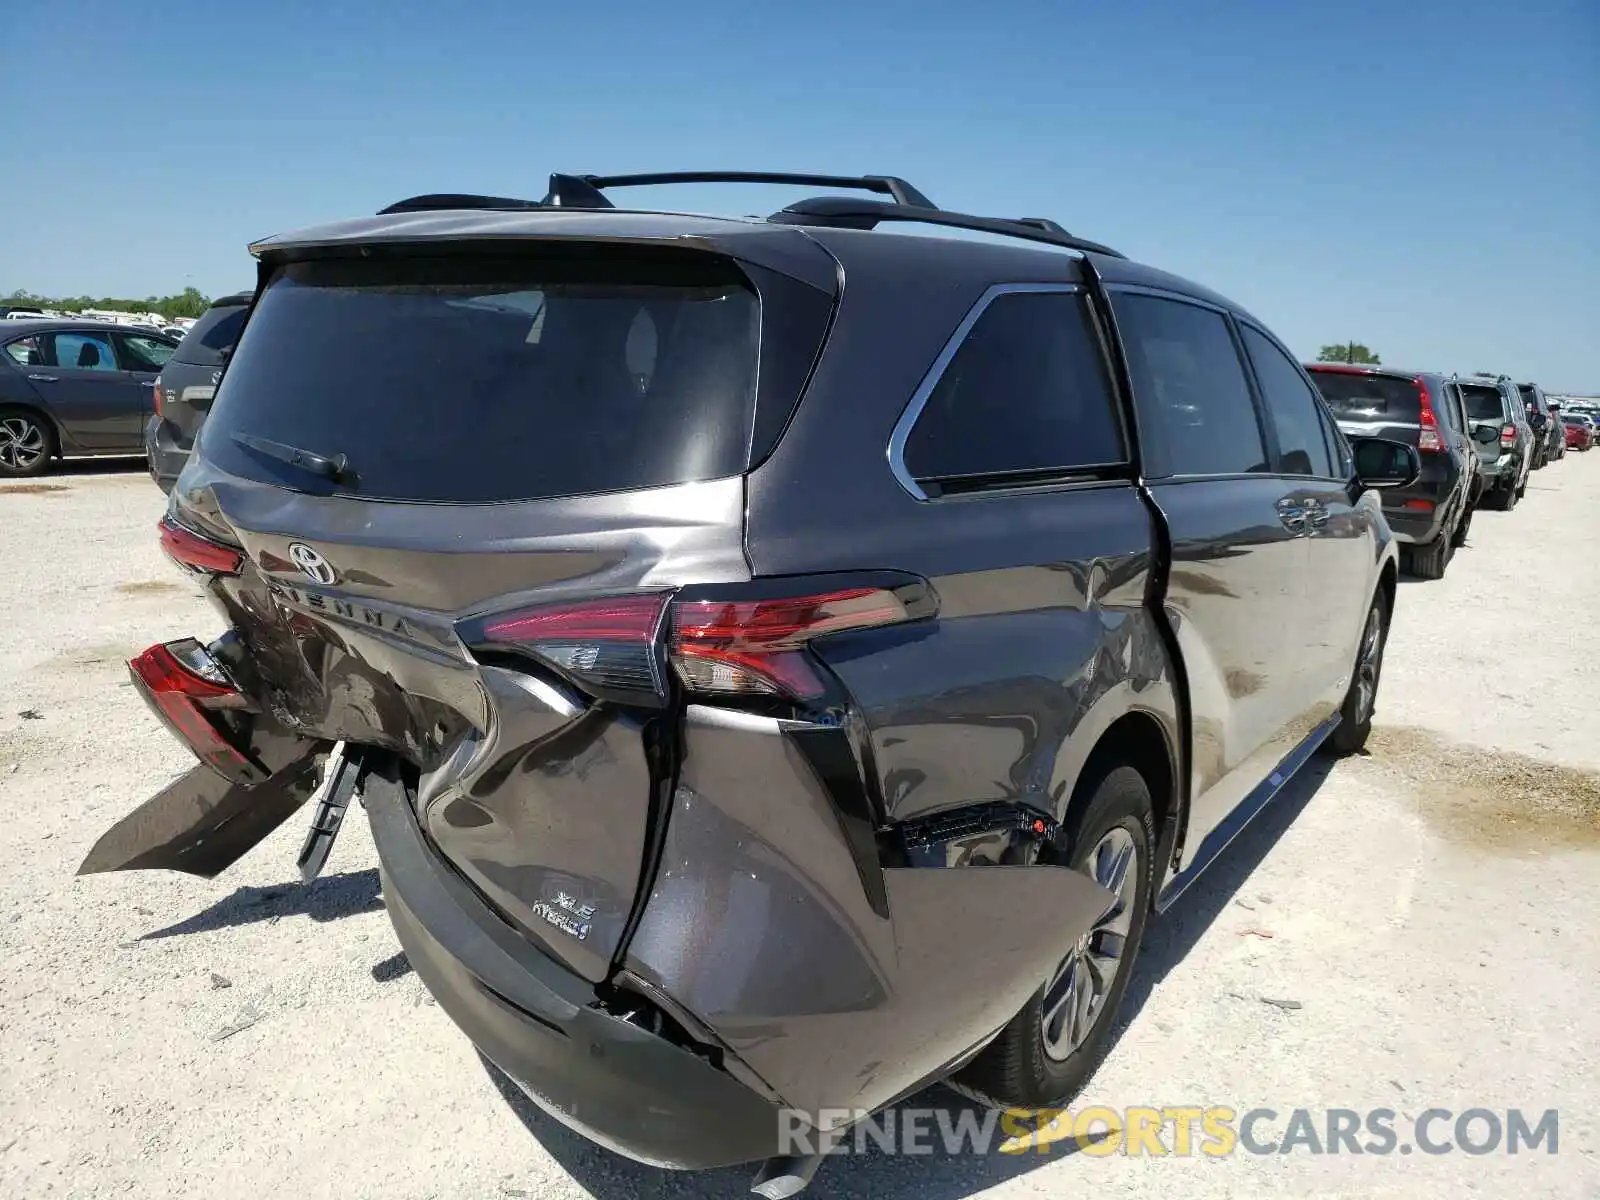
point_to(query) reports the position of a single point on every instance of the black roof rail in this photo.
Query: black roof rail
(844, 212)
(584, 191)
(438, 200)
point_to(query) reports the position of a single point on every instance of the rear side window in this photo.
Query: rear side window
(140, 353)
(217, 330)
(1026, 392)
(1360, 396)
(1302, 448)
(479, 379)
(1483, 403)
(1195, 412)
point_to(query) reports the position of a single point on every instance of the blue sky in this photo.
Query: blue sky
(1421, 176)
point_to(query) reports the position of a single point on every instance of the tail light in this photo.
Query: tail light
(1430, 439)
(182, 683)
(748, 642)
(189, 549)
(1508, 436)
(157, 405)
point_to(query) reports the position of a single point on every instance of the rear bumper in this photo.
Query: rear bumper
(162, 453)
(610, 1080)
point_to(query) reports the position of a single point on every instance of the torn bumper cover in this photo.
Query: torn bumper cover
(610, 1080)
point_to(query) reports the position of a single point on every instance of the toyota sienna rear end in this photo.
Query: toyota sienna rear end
(473, 502)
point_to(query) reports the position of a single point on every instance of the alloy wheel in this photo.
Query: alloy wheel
(1076, 995)
(1367, 666)
(22, 443)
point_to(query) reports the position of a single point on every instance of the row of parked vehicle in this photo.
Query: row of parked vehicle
(1479, 437)
(783, 664)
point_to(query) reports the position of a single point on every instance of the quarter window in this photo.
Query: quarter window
(1292, 405)
(27, 351)
(1027, 392)
(1196, 416)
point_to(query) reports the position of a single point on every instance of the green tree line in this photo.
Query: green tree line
(188, 303)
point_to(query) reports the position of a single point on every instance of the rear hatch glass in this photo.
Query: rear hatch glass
(216, 331)
(1483, 403)
(1359, 396)
(485, 378)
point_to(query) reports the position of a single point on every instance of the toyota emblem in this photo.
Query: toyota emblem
(312, 565)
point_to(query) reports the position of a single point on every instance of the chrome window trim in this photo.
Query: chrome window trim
(919, 398)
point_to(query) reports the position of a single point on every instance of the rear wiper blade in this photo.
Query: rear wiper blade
(336, 467)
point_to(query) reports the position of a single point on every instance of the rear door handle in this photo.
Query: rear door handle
(45, 378)
(1316, 513)
(1293, 515)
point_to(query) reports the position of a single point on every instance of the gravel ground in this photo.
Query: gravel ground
(1430, 908)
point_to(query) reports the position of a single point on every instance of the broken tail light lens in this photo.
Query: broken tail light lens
(741, 647)
(181, 681)
(189, 549)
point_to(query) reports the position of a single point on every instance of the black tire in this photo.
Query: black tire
(1016, 1070)
(1355, 715)
(1429, 561)
(27, 443)
(1459, 538)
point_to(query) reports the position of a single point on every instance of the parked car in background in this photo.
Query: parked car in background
(1546, 431)
(1560, 428)
(1580, 430)
(187, 384)
(1508, 456)
(702, 638)
(72, 388)
(1431, 517)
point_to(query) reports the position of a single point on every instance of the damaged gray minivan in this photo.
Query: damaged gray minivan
(783, 664)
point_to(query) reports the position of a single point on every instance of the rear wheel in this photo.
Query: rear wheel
(1430, 560)
(27, 443)
(1049, 1050)
(1360, 702)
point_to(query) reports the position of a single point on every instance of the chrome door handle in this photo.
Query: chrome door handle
(45, 378)
(1316, 513)
(1292, 514)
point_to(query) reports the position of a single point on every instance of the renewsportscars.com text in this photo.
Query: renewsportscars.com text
(1173, 1130)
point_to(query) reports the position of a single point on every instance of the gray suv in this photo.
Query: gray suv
(184, 391)
(783, 663)
(1508, 458)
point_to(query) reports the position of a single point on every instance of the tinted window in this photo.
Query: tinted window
(1360, 396)
(1196, 415)
(1026, 391)
(1292, 405)
(85, 351)
(482, 379)
(1338, 447)
(1483, 402)
(140, 353)
(217, 330)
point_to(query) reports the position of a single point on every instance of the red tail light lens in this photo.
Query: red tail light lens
(619, 647)
(157, 405)
(188, 549)
(610, 645)
(757, 646)
(1429, 440)
(1508, 436)
(180, 681)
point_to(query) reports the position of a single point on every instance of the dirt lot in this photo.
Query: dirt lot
(1431, 909)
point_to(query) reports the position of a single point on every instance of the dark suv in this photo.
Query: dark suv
(783, 663)
(1545, 420)
(1423, 409)
(188, 381)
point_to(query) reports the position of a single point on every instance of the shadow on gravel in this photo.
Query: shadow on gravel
(328, 899)
(1170, 936)
(933, 1176)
